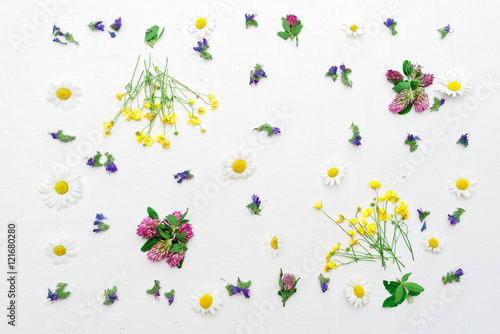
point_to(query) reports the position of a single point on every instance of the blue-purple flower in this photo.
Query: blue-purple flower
(344, 76)
(186, 175)
(255, 205)
(332, 72)
(110, 296)
(422, 215)
(110, 164)
(250, 20)
(445, 31)
(94, 161)
(323, 281)
(256, 74)
(464, 140)
(391, 24)
(453, 276)
(455, 217)
(202, 49)
(117, 24)
(356, 137)
(271, 130)
(412, 141)
(240, 287)
(96, 25)
(170, 296)
(155, 290)
(59, 293)
(61, 136)
(437, 103)
(112, 34)
(99, 225)
(56, 31)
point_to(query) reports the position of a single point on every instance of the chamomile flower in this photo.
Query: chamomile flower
(239, 166)
(273, 244)
(454, 82)
(202, 23)
(462, 183)
(64, 94)
(353, 28)
(61, 251)
(332, 171)
(358, 291)
(64, 186)
(432, 242)
(206, 299)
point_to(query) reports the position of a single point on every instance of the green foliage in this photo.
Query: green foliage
(401, 291)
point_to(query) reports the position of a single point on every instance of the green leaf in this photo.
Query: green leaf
(285, 24)
(152, 213)
(413, 287)
(161, 33)
(405, 277)
(184, 215)
(406, 110)
(283, 35)
(399, 294)
(391, 286)
(184, 221)
(165, 234)
(181, 236)
(151, 32)
(406, 67)
(389, 302)
(414, 84)
(401, 86)
(175, 248)
(296, 30)
(172, 220)
(150, 243)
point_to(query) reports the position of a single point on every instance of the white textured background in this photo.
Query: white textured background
(228, 240)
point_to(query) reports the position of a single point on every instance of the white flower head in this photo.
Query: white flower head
(239, 165)
(358, 291)
(206, 299)
(61, 251)
(454, 82)
(353, 28)
(201, 24)
(462, 183)
(64, 186)
(332, 171)
(273, 244)
(432, 242)
(64, 94)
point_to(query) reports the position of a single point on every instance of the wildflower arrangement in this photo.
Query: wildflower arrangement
(202, 49)
(292, 26)
(109, 163)
(186, 175)
(99, 224)
(250, 20)
(412, 141)
(444, 31)
(240, 288)
(110, 296)
(377, 231)
(323, 282)
(391, 24)
(170, 296)
(58, 293)
(410, 92)
(453, 276)
(166, 239)
(96, 25)
(271, 130)
(401, 291)
(152, 36)
(437, 103)
(256, 74)
(59, 135)
(288, 286)
(155, 290)
(255, 205)
(454, 218)
(464, 140)
(163, 94)
(421, 216)
(56, 32)
(356, 137)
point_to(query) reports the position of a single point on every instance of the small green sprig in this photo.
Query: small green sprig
(59, 135)
(344, 76)
(152, 36)
(292, 26)
(288, 286)
(155, 290)
(110, 296)
(401, 290)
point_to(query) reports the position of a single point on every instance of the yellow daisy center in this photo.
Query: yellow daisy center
(59, 250)
(332, 172)
(61, 187)
(353, 28)
(206, 301)
(63, 93)
(239, 166)
(274, 243)
(462, 184)
(201, 23)
(433, 242)
(454, 86)
(359, 291)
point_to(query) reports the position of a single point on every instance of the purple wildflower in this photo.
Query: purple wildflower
(111, 168)
(464, 140)
(159, 251)
(147, 228)
(96, 25)
(57, 40)
(112, 34)
(394, 76)
(292, 20)
(235, 290)
(342, 67)
(174, 259)
(188, 229)
(426, 79)
(288, 282)
(276, 131)
(246, 292)
(117, 24)
(170, 296)
(90, 162)
(389, 23)
(52, 296)
(333, 71)
(459, 272)
(421, 101)
(100, 216)
(177, 214)
(455, 217)
(186, 175)
(54, 135)
(401, 101)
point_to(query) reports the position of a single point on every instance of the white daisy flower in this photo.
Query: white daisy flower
(454, 82)
(332, 171)
(61, 251)
(353, 28)
(201, 24)
(65, 186)
(432, 242)
(64, 94)
(206, 299)
(239, 165)
(462, 183)
(358, 291)
(273, 244)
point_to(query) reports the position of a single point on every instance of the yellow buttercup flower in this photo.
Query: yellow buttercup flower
(353, 242)
(191, 102)
(147, 105)
(149, 116)
(318, 205)
(403, 210)
(164, 142)
(351, 233)
(354, 221)
(139, 136)
(169, 119)
(148, 141)
(108, 125)
(211, 97)
(125, 111)
(215, 104)
(201, 111)
(391, 196)
(363, 222)
(329, 266)
(341, 219)
(375, 184)
(107, 133)
(372, 228)
(382, 215)
(193, 120)
(361, 230)
(119, 96)
(135, 114)
(367, 212)
(157, 106)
